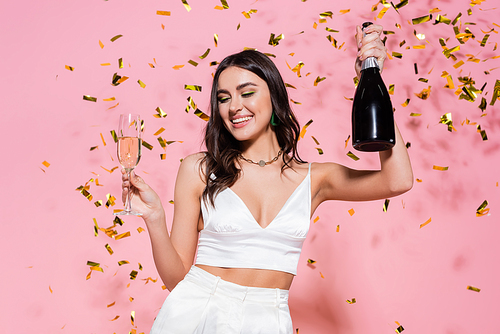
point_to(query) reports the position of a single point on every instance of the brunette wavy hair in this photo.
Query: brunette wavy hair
(221, 157)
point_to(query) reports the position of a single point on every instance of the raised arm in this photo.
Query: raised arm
(173, 254)
(337, 182)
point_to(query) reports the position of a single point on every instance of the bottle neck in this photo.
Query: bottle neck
(369, 63)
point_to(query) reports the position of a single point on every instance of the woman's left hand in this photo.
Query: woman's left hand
(370, 46)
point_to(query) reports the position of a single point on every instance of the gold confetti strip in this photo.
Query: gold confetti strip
(193, 87)
(160, 130)
(338, 228)
(178, 67)
(115, 318)
(347, 141)
(201, 115)
(320, 151)
(160, 114)
(50, 289)
(316, 219)
(110, 201)
(110, 170)
(424, 94)
(397, 54)
(296, 102)
(291, 86)
(382, 12)
(406, 103)
(399, 329)
(147, 145)
(482, 132)
(121, 263)
(496, 93)
(116, 105)
(93, 148)
(120, 63)
(142, 84)
(132, 317)
(149, 279)
(192, 62)
(98, 203)
(186, 5)
(115, 38)
(163, 12)
(203, 56)
(123, 235)
(421, 19)
(439, 168)
(482, 210)
(133, 274)
(109, 99)
(106, 64)
(352, 301)
(324, 15)
(446, 119)
(321, 274)
(318, 80)
(46, 164)
(101, 45)
(386, 205)
(470, 287)
(216, 39)
(427, 222)
(89, 98)
(274, 41)
(304, 128)
(112, 304)
(418, 180)
(96, 228)
(351, 212)
(442, 19)
(108, 248)
(344, 11)
(352, 156)
(162, 142)
(68, 67)
(311, 261)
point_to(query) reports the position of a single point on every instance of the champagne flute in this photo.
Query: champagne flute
(129, 151)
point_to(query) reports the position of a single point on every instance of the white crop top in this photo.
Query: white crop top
(232, 238)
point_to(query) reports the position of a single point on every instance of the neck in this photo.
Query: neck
(261, 149)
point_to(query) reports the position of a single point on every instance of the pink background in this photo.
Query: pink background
(396, 271)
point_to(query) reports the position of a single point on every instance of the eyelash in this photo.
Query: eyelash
(225, 99)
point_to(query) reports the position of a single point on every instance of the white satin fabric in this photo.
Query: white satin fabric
(205, 304)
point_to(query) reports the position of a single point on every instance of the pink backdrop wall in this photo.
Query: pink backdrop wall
(396, 270)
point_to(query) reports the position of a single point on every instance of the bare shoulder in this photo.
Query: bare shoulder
(190, 172)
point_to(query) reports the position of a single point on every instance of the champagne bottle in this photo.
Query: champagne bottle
(372, 115)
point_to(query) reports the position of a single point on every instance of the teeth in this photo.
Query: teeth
(241, 120)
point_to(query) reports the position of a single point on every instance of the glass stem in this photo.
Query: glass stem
(128, 206)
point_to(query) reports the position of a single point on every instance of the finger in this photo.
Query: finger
(358, 36)
(374, 28)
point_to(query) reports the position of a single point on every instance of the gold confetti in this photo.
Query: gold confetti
(160, 130)
(405, 103)
(344, 11)
(324, 15)
(316, 219)
(386, 205)
(446, 119)
(192, 87)
(304, 128)
(163, 12)
(98, 203)
(115, 38)
(108, 248)
(274, 41)
(50, 289)
(201, 115)
(311, 261)
(318, 80)
(203, 56)
(338, 228)
(439, 168)
(399, 329)
(216, 39)
(397, 54)
(382, 12)
(101, 45)
(352, 156)
(132, 317)
(421, 19)
(192, 62)
(347, 141)
(112, 304)
(482, 210)
(352, 301)
(496, 93)
(160, 114)
(427, 222)
(46, 164)
(123, 235)
(68, 67)
(442, 19)
(320, 151)
(424, 94)
(147, 145)
(115, 318)
(177, 67)
(351, 212)
(321, 275)
(469, 287)
(133, 274)
(142, 84)
(186, 5)
(121, 263)
(247, 14)
(296, 102)
(109, 99)
(89, 98)
(482, 132)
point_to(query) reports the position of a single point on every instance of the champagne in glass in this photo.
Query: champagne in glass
(129, 151)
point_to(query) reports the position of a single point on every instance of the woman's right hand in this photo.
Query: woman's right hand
(143, 198)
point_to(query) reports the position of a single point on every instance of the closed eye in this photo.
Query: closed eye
(248, 94)
(223, 99)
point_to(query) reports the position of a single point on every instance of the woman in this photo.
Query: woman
(247, 202)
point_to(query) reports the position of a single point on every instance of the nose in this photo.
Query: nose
(235, 105)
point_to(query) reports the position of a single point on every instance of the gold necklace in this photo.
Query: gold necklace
(261, 163)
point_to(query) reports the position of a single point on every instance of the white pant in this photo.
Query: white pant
(204, 303)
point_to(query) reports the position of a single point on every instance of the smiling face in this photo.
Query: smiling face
(244, 103)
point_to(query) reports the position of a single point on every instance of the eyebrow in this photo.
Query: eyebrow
(239, 87)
